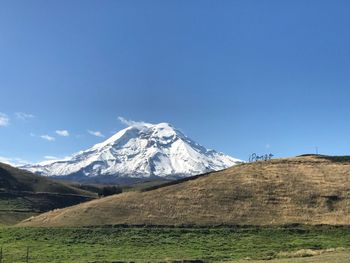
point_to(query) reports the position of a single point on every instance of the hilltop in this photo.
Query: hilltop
(24, 194)
(307, 190)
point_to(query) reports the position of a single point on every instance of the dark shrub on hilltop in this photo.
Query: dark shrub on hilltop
(110, 190)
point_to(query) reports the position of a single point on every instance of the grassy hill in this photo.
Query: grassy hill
(24, 194)
(307, 189)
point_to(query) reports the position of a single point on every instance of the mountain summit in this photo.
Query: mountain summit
(142, 150)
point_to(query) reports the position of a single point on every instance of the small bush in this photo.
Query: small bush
(110, 190)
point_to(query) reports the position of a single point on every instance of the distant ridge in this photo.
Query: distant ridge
(15, 179)
(299, 190)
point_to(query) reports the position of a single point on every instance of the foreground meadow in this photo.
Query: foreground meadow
(156, 244)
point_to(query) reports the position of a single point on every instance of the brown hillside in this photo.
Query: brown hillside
(307, 189)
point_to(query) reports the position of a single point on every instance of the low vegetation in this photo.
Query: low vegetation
(333, 256)
(144, 185)
(156, 244)
(110, 190)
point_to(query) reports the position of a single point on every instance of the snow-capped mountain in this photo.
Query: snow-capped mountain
(139, 151)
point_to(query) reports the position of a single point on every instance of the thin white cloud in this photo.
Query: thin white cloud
(4, 120)
(5, 160)
(24, 116)
(47, 137)
(63, 133)
(13, 161)
(130, 122)
(96, 133)
(49, 157)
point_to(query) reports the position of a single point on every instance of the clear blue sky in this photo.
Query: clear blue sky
(236, 76)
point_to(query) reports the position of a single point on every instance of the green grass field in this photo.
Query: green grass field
(152, 244)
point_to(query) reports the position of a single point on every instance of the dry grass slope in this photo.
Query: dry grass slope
(306, 189)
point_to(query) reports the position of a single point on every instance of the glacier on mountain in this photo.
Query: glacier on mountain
(142, 150)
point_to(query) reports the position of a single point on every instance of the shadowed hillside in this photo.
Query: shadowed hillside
(24, 194)
(14, 179)
(306, 189)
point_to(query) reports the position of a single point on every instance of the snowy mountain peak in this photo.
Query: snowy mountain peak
(161, 130)
(138, 151)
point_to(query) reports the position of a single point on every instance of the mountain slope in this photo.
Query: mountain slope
(308, 189)
(139, 151)
(23, 194)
